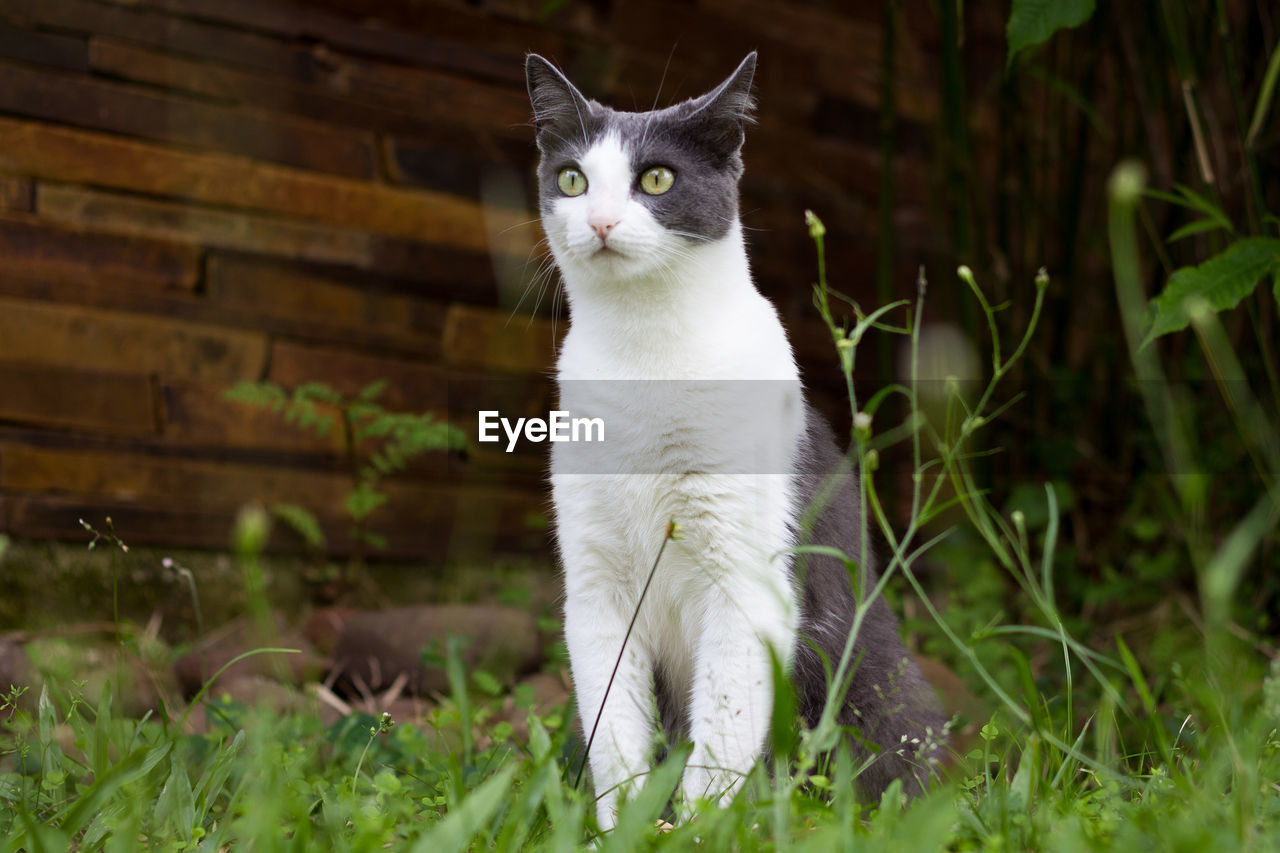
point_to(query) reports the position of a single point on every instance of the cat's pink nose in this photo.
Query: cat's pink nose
(602, 227)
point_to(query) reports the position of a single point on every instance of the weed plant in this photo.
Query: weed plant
(1084, 748)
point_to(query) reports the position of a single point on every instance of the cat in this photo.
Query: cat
(671, 344)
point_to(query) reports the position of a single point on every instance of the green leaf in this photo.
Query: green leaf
(1033, 21)
(1222, 281)
(468, 817)
(1197, 227)
(176, 803)
(783, 725)
(301, 521)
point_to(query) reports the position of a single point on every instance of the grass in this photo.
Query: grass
(1164, 741)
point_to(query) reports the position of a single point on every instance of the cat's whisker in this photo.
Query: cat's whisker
(527, 222)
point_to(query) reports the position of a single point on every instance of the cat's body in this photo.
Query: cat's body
(670, 344)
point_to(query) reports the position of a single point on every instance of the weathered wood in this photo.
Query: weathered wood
(65, 154)
(17, 194)
(236, 47)
(220, 489)
(210, 227)
(65, 398)
(411, 385)
(32, 245)
(190, 525)
(133, 111)
(325, 307)
(52, 49)
(479, 337)
(500, 40)
(88, 338)
(298, 21)
(197, 415)
(147, 65)
(456, 161)
(434, 94)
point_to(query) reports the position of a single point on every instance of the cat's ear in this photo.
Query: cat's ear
(558, 107)
(728, 107)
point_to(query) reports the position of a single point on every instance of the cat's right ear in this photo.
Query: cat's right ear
(559, 109)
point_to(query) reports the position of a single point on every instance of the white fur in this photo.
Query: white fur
(654, 306)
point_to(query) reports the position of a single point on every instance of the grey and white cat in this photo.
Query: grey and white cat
(641, 214)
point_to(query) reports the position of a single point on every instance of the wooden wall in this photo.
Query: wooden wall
(195, 192)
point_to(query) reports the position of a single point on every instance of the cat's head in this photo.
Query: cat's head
(626, 195)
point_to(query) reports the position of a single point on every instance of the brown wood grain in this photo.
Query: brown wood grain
(411, 385)
(40, 48)
(134, 111)
(498, 339)
(180, 35)
(90, 338)
(433, 537)
(197, 415)
(200, 226)
(217, 490)
(76, 399)
(29, 245)
(17, 193)
(237, 86)
(76, 156)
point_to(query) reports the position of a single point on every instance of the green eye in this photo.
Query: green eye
(657, 180)
(571, 182)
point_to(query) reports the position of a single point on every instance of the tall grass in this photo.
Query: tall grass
(1085, 747)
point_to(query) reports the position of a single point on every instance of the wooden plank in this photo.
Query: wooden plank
(196, 415)
(481, 57)
(222, 229)
(34, 246)
(91, 338)
(17, 194)
(496, 43)
(325, 307)
(144, 479)
(434, 94)
(51, 49)
(146, 65)
(177, 524)
(497, 339)
(211, 489)
(133, 111)
(67, 398)
(455, 160)
(233, 46)
(64, 154)
(412, 386)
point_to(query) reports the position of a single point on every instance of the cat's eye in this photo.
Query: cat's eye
(571, 181)
(657, 180)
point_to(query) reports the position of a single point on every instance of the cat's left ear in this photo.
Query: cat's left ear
(558, 107)
(728, 107)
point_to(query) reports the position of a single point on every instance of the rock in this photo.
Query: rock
(323, 627)
(255, 691)
(87, 665)
(235, 638)
(375, 647)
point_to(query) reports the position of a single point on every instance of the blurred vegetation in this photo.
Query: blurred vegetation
(1187, 89)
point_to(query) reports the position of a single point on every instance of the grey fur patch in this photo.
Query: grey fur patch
(888, 697)
(700, 140)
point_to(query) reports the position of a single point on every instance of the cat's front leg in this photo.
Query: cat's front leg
(733, 689)
(621, 742)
